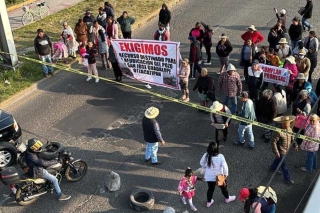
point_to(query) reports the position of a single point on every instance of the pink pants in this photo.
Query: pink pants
(92, 68)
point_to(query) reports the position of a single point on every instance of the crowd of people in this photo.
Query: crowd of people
(92, 35)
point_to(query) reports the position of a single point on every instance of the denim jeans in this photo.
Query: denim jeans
(151, 151)
(305, 23)
(294, 43)
(283, 167)
(54, 180)
(233, 103)
(246, 128)
(273, 209)
(46, 68)
(311, 161)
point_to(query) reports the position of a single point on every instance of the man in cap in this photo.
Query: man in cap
(295, 32)
(303, 63)
(266, 111)
(229, 84)
(255, 80)
(194, 57)
(152, 134)
(253, 34)
(223, 49)
(247, 111)
(280, 143)
(43, 48)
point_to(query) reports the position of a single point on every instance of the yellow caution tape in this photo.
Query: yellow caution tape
(193, 105)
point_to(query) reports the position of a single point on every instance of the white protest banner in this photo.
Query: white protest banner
(153, 62)
(275, 75)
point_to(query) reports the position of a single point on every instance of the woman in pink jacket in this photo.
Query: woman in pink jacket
(112, 28)
(291, 65)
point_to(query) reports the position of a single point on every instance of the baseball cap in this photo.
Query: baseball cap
(244, 193)
(255, 61)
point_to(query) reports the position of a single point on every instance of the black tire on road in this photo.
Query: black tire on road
(141, 200)
(8, 154)
(20, 195)
(52, 151)
(74, 175)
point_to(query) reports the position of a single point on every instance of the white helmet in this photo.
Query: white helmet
(283, 11)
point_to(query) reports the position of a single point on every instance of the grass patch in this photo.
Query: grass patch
(9, 3)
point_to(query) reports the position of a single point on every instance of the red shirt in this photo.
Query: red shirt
(255, 36)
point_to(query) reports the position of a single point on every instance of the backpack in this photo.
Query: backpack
(211, 92)
(270, 195)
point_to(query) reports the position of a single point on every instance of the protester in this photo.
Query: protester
(115, 65)
(81, 31)
(296, 50)
(298, 85)
(203, 84)
(108, 9)
(215, 164)
(161, 34)
(253, 34)
(198, 33)
(223, 49)
(165, 17)
(152, 135)
(279, 96)
(255, 80)
(281, 142)
(207, 42)
(312, 95)
(302, 104)
(272, 58)
(246, 56)
(125, 22)
(219, 122)
(103, 48)
(43, 48)
(250, 198)
(247, 111)
(283, 49)
(92, 67)
(295, 32)
(194, 56)
(187, 188)
(303, 64)
(96, 28)
(112, 28)
(276, 33)
(312, 131)
(312, 55)
(290, 64)
(60, 52)
(311, 41)
(307, 14)
(68, 39)
(102, 18)
(281, 15)
(184, 79)
(261, 56)
(229, 85)
(266, 111)
(88, 19)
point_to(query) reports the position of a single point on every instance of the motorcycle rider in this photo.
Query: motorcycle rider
(37, 166)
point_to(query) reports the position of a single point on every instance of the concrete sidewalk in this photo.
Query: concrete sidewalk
(55, 6)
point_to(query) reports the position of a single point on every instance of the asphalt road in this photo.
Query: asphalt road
(101, 123)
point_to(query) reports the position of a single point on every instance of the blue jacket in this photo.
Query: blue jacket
(247, 111)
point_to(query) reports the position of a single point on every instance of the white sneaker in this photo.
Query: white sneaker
(97, 80)
(193, 208)
(184, 201)
(88, 79)
(209, 204)
(148, 86)
(206, 63)
(230, 199)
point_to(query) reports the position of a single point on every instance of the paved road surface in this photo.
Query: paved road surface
(101, 123)
(55, 6)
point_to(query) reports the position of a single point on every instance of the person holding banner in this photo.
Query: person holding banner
(255, 80)
(184, 79)
(115, 65)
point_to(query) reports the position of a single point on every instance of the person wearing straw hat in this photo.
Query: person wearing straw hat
(283, 49)
(280, 143)
(223, 49)
(247, 111)
(312, 131)
(221, 123)
(303, 64)
(253, 34)
(152, 135)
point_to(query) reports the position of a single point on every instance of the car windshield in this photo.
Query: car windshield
(6, 120)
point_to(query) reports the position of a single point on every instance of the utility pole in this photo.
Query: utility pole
(6, 39)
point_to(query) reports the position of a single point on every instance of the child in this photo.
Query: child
(60, 52)
(273, 59)
(187, 187)
(92, 67)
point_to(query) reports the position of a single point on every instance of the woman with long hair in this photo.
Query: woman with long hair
(215, 164)
(103, 48)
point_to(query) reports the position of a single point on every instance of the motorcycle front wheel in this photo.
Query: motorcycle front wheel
(76, 171)
(22, 198)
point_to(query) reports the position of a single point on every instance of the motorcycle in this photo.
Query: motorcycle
(30, 189)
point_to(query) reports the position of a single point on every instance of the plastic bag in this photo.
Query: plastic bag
(169, 210)
(200, 172)
(113, 182)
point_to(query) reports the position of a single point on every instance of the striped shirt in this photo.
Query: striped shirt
(312, 131)
(229, 85)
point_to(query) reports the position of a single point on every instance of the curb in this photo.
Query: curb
(16, 6)
(23, 93)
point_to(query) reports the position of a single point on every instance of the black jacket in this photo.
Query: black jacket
(151, 130)
(37, 164)
(275, 35)
(91, 55)
(224, 50)
(42, 46)
(266, 110)
(203, 84)
(307, 13)
(295, 32)
(164, 16)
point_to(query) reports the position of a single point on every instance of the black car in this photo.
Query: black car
(10, 139)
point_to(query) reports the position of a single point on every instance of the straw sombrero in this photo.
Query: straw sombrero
(284, 119)
(151, 112)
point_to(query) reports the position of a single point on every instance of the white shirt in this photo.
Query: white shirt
(218, 167)
(281, 100)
